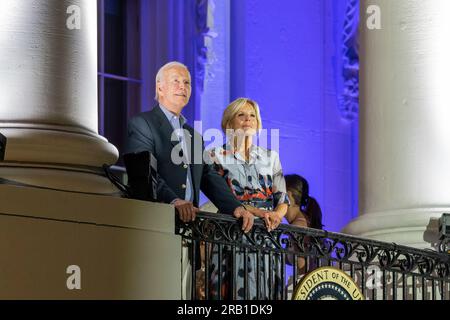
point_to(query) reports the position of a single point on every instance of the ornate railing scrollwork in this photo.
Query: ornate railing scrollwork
(306, 242)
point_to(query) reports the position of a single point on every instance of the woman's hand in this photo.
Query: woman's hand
(275, 219)
(272, 219)
(247, 218)
(263, 214)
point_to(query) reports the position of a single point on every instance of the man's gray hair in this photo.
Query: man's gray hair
(160, 74)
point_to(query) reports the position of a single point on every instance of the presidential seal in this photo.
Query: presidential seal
(327, 283)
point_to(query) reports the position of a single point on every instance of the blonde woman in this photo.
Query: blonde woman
(255, 176)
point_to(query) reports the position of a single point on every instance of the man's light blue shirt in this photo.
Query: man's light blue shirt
(177, 123)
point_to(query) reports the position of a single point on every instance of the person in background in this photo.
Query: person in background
(304, 210)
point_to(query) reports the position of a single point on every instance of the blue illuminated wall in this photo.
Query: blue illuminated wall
(287, 56)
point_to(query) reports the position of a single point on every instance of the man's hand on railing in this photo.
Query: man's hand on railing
(247, 218)
(186, 210)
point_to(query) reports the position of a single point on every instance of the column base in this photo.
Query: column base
(57, 145)
(58, 158)
(403, 226)
(62, 178)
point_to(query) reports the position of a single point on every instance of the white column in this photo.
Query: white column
(404, 163)
(48, 95)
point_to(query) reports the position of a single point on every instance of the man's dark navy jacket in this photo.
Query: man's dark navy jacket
(152, 131)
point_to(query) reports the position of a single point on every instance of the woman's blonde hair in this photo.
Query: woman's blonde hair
(233, 109)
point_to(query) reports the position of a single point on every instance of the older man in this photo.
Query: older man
(180, 182)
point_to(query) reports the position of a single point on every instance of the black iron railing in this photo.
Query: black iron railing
(228, 264)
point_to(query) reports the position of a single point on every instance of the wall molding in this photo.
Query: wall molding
(349, 98)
